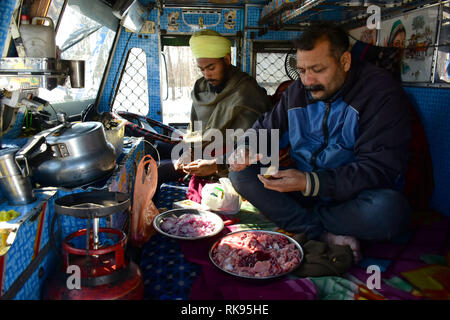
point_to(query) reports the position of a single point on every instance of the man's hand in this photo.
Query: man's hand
(241, 158)
(178, 165)
(285, 181)
(185, 159)
(201, 168)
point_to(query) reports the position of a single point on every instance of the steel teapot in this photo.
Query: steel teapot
(70, 155)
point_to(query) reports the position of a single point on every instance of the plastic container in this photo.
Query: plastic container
(39, 39)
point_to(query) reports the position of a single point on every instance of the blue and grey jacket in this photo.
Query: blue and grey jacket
(356, 140)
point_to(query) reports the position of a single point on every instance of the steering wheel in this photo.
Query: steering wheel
(141, 126)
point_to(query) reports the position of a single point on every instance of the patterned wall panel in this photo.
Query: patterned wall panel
(7, 7)
(253, 14)
(148, 43)
(32, 236)
(36, 284)
(225, 21)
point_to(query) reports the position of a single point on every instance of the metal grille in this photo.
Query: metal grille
(132, 93)
(270, 70)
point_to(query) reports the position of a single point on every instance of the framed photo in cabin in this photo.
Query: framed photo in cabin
(416, 32)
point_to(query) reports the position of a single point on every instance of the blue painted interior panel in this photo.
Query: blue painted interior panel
(7, 8)
(149, 45)
(188, 23)
(253, 15)
(432, 104)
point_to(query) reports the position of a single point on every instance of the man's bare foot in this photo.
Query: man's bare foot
(350, 241)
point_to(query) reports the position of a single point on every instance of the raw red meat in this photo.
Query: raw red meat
(256, 254)
(188, 225)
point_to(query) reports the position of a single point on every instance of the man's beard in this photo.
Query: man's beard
(218, 88)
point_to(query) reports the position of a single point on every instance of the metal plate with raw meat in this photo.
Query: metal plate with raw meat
(256, 254)
(188, 224)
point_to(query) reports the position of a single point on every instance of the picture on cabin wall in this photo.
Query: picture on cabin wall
(173, 21)
(416, 33)
(230, 19)
(363, 34)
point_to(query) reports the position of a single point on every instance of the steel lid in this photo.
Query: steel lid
(76, 130)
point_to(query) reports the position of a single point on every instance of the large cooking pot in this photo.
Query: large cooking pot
(70, 155)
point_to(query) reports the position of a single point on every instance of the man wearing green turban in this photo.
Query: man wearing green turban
(209, 44)
(224, 98)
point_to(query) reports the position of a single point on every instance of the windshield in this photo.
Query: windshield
(79, 37)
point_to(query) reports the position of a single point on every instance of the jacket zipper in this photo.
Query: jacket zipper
(326, 135)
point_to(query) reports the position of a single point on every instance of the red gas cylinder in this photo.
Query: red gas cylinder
(97, 273)
(94, 263)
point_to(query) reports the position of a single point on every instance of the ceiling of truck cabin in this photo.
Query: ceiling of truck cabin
(350, 12)
(196, 3)
(199, 3)
(300, 13)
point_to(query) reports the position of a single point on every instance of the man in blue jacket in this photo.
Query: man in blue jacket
(347, 125)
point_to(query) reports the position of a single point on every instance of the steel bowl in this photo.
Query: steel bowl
(218, 222)
(257, 231)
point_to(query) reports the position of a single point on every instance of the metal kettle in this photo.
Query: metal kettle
(70, 154)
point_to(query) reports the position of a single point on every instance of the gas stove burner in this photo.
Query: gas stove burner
(94, 204)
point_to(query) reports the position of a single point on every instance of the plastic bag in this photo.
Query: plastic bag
(144, 210)
(221, 197)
